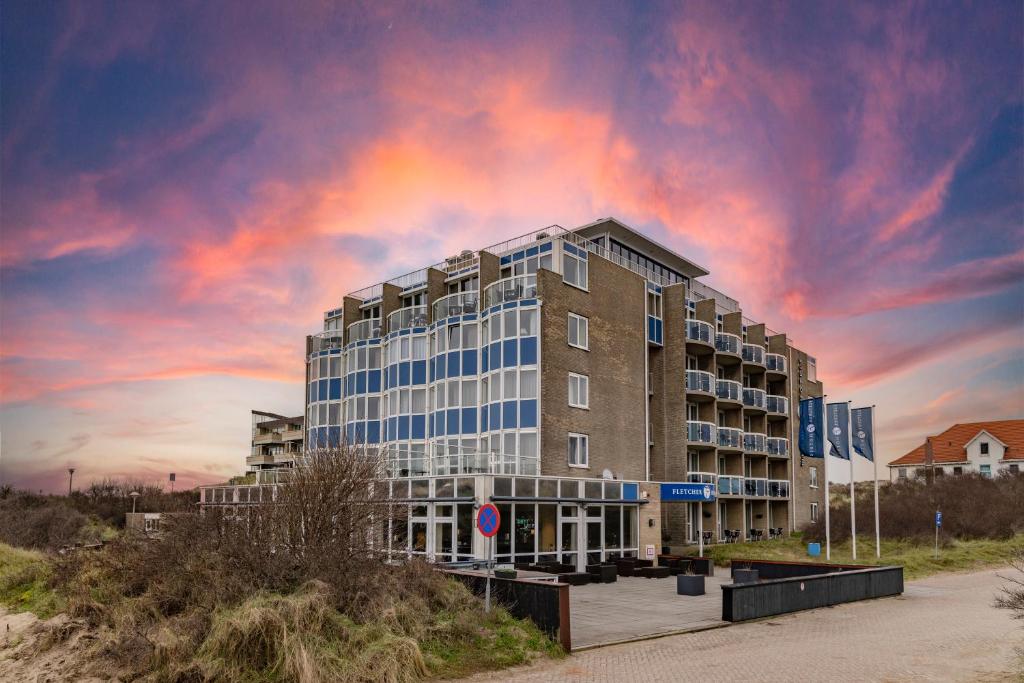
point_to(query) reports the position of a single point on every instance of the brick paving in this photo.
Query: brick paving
(943, 628)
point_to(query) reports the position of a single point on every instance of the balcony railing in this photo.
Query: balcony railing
(753, 398)
(456, 304)
(752, 353)
(364, 329)
(729, 437)
(700, 331)
(330, 339)
(778, 488)
(729, 390)
(410, 316)
(701, 432)
(778, 446)
(754, 442)
(729, 485)
(728, 343)
(754, 486)
(775, 363)
(777, 405)
(698, 380)
(701, 477)
(510, 289)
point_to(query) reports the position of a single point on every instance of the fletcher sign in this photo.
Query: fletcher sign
(687, 491)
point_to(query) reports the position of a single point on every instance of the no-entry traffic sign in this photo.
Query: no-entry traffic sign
(488, 520)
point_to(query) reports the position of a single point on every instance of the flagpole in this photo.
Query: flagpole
(853, 488)
(824, 448)
(874, 459)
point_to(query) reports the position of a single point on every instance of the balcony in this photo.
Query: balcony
(700, 332)
(755, 442)
(730, 439)
(404, 318)
(701, 477)
(729, 485)
(753, 354)
(778, 488)
(755, 486)
(775, 363)
(753, 399)
(701, 433)
(728, 344)
(364, 329)
(700, 382)
(512, 288)
(324, 341)
(456, 304)
(267, 437)
(730, 391)
(778, 446)
(776, 405)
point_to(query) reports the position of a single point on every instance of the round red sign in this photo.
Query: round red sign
(488, 520)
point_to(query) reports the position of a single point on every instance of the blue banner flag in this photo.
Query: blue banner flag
(838, 415)
(863, 437)
(812, 443)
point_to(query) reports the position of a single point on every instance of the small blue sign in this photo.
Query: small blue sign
(687, 491)
(938, 518)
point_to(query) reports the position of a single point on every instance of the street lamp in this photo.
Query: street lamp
(71, 476)
(135, 496)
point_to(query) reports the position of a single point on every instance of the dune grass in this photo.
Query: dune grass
(916, 556)
(24, 582)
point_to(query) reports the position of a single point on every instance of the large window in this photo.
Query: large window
(579, 331)
(579, 391)
(986, 470)
(579, 450)
(574, 270)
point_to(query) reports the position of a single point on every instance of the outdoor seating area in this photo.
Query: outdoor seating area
(736, 535)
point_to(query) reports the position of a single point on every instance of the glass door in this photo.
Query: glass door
(595, 534)
(444, 533)
(569, 535)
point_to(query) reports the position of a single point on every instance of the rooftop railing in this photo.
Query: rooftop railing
(617, 259)
(413, 280)
(724, 304)
(456, 304)
(368, 293)
(510, 289)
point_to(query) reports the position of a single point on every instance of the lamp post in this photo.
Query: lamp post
(71, 477)
(135, 496)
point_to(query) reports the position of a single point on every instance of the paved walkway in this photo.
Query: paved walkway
(941, 629)
(604, 613)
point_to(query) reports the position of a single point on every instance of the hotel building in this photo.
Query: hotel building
(566, 375)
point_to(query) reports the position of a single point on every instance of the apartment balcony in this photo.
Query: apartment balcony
(729, 485)
(754, 399)
(259, 459)
(292, 435)
(775, 363)
(701, 477)
(778, 488)
(730, 439)
(778, 447)
(701, 433)
(266, 438)
(729, 348)
(324, 341)
(755, 442)
(758, 487)
(700, 385)
(456, 304)
(404, 318)
(700, 334)
(753, 355)
(755, 487)
(776, 406)
(513, 288)
(364, 329)
(729, 391)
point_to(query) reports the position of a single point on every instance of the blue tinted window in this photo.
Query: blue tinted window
(335, 393)
(495, 416)
(322, 390)
(495, 361)
(313, 391)
(334, 436)
(360, 382)
(419, 426)
(439, 423)
(419, 372)
(483, 418)
(453, 364)
(440, 367)
(373, 431)
(453, 421)
(403, 427)
(469, 362)
(468, 420)
(508, 354)
(528, 413)
(630, 492)
(374, 381)
(528, 351)
(508, 415)
(483, 359)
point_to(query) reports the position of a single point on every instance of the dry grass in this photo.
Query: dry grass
(24, 582)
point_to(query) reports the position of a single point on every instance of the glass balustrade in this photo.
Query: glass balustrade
(729, 390)
(779, 405)
(753, 442)
(701, 478)
(728, 437)
(700, 331)
(729, 485)
(411, 316)
(775, 362)
(728, 343)
(701, 432)
(752, 353)
(778, 488)
(753, 398)
(698, 380)
(510, 289)
(456, 304)
(364, 329)
(778, 446)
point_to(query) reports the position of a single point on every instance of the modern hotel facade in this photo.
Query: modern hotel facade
(565, 375)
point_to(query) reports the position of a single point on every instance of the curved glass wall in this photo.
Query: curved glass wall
(404, 399)
(361, 406)
(453, 422)
(323, 407)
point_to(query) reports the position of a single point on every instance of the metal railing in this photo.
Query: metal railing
(753, 398)
(528, 240)
(410, 316)
(701, 432)
(700, 331)
(456, 304)
(725, 303)
(510, 289)
(728, 343)
(775, 362)
(417, 278)
(752, 353)
(617, 259)
(367, 293)
(778, 446)
(729, 390)
(364, 329)
(755, 442)
(701, 477)
(778, 488)
(324, 341)
(699, 380)
(755, 486)
(777, 405)
(730, 437)
(729, 485)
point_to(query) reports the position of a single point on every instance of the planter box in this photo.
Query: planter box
(603, 573)
(690, 584)
(506, 573)
(744, 576)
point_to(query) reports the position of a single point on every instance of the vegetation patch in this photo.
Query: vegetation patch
(24, 582)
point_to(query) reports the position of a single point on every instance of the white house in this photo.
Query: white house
(985, 448)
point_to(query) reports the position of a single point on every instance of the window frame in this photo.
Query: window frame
(585, 326)
(813, 477)
(581, 439)
(582, 266)
(814, 511)
(581, 381)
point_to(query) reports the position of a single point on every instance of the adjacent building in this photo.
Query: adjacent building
(276, 442)
(570, 377)
(985, 448)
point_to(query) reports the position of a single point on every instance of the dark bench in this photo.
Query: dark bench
(654, 572)
(575, 578)
(603, 573)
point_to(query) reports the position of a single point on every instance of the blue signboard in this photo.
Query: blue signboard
(687, 491)
(938, 518)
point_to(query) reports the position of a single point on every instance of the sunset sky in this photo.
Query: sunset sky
(187, 186)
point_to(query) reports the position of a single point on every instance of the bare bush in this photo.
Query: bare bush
(1012, 597)
(32, 521)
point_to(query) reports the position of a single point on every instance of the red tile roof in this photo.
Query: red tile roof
(949, 445)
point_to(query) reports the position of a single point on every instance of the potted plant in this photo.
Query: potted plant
(744, 574)
(690, 583)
